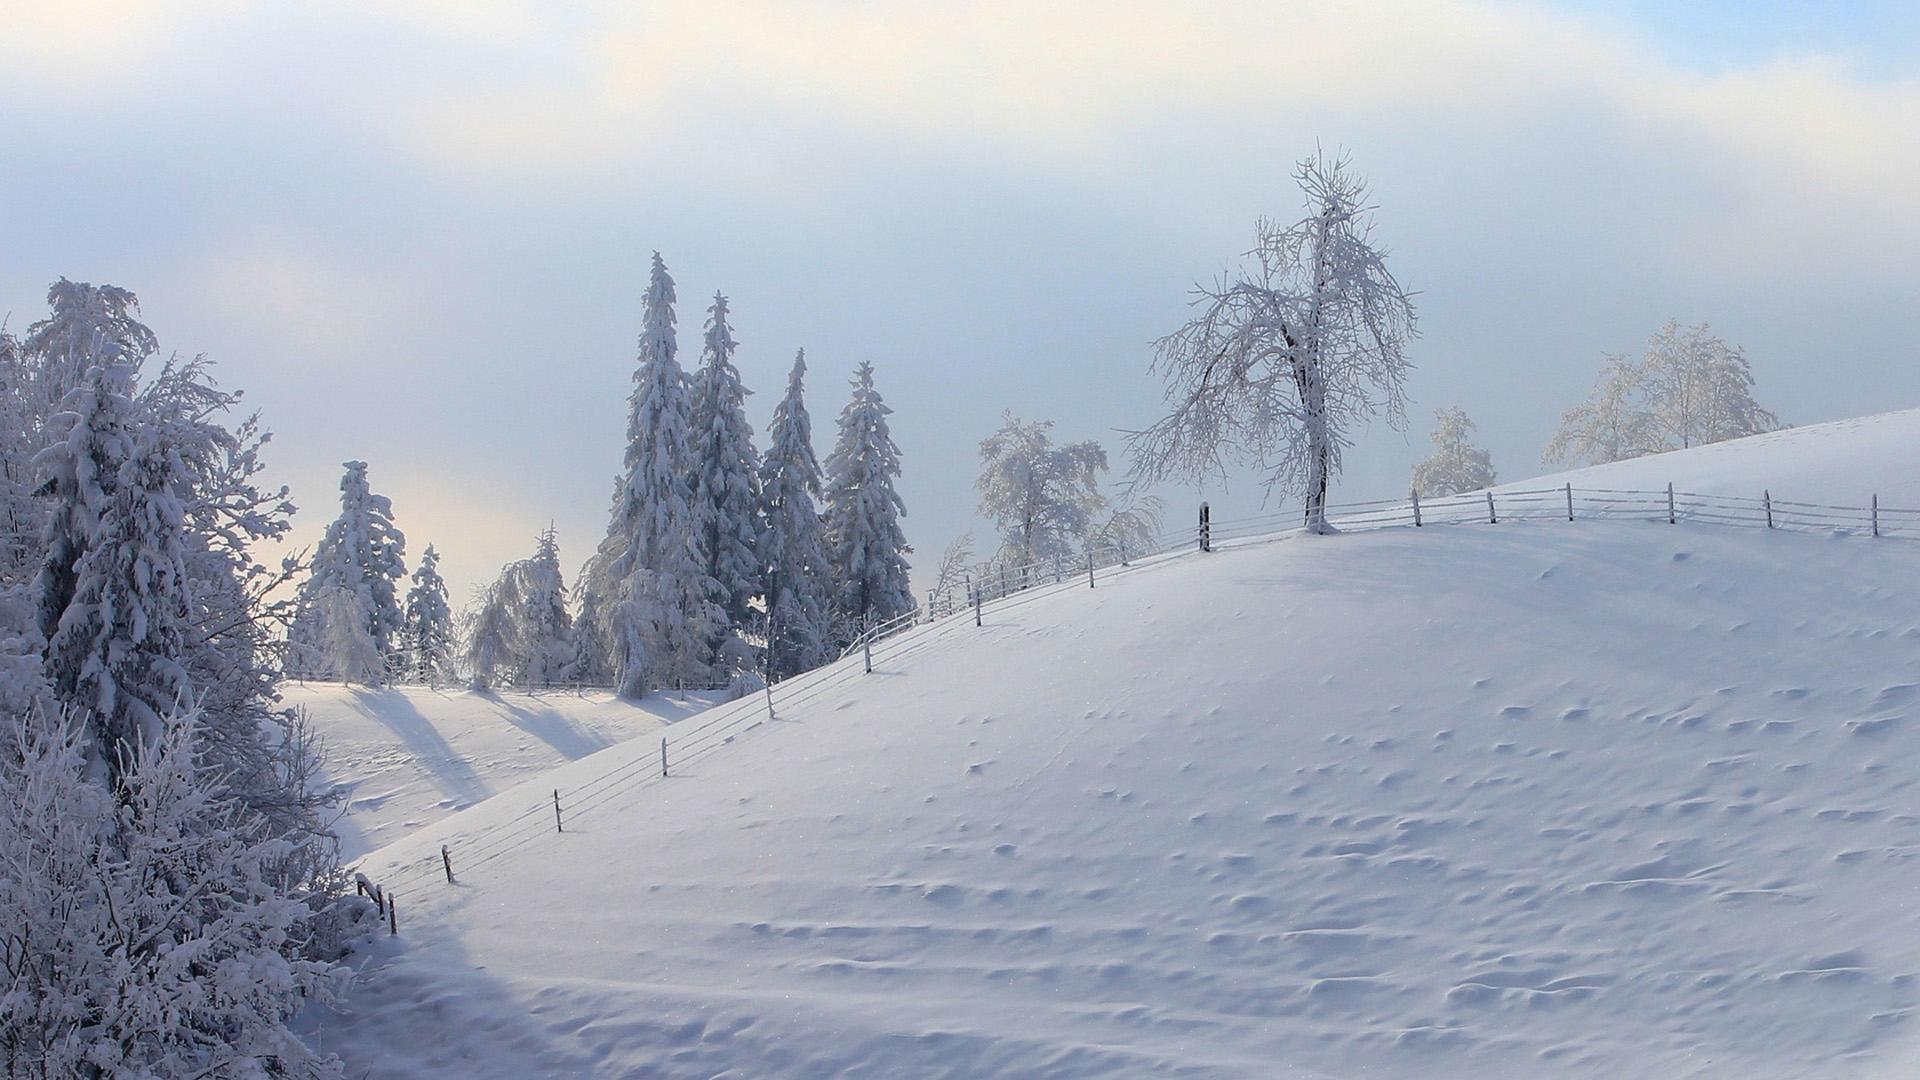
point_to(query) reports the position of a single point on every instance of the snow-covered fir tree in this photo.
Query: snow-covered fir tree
(1288, 356)
(1045, 499)
(726, 488)
(1456, 464)
(865, 544)
(522, 634)
(659, 614)
(428, 633)
(793, 545)
(356, 571)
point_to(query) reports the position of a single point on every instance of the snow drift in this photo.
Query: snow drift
(1600, 798)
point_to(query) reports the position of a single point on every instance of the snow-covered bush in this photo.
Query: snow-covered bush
(145, 930)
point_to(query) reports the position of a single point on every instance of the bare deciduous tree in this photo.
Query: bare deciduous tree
(1288, 356)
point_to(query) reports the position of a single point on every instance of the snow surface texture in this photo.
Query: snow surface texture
(411, 756)
(1602, 798)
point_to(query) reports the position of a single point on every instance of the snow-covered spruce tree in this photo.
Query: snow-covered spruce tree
(1456, 464)
(864, 542)
(428, 633)
(355, 576)
(1043, 498)
(794, 547)
(20, 513)
(1688, 388)
(116, 654)
(147, 925)
(726, 488)
(85, 325)
(1288, 356)
(657, 603)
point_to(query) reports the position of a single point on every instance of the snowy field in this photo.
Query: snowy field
(410, 756)
(1595, 799)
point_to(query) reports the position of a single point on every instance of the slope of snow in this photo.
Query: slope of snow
(1844, 462)
(410, 756)
(1591, 799)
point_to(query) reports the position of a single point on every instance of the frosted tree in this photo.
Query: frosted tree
(799, 589)
(1043, 498)
(116, 655)
(648, 580)
(149, 930)
(1130, 529)
(87, 325)
(522, 632)
(1287, 357)
(1699, 388)
(1456, 464)
(20, 512)
(428, 627)
(1611, 425)
(726, 488)
(1687, 389)
(357, 567)
(864, 542)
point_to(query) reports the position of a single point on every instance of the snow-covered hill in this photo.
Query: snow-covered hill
(410, 756)
(1602, 798)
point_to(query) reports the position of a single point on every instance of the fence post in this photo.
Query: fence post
(1766, 499)
(1876, 514)
(1415, 492)
(1569, 501)
(446, 860)
(557, 826)
(1492, 518)
(770, 715)
(1089, 568)
(866, 648)
(1056, 568)
(976, 607)
(1206, 527)
(393, 915)
(663, 755)
(1671, 519)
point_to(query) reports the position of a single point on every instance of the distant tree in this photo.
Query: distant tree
(794, 545)
(1688, 388)
(1456, 464)
(1043, 498)
(956, 566)
(863, 512)
(1287, 357)
(356, 570)
(428, 634)
(726, 487)
(522, 632)
(1133, 529)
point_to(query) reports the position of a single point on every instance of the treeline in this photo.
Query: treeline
(720, 565)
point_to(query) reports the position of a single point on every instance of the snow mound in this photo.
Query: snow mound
(411, 756)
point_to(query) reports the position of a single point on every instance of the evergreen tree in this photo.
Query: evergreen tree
(863, 512)
(793, 546)
(726, 489)
(651, 588)
(115, 647)
(359, 561)
(428, 636)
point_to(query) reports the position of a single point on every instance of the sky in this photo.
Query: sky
(418, 234)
